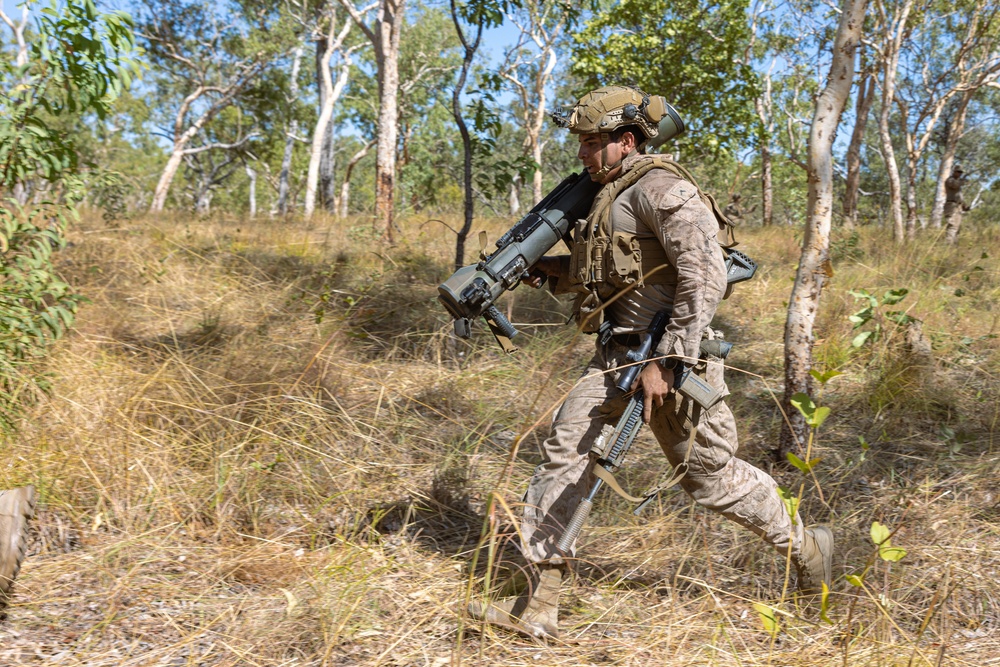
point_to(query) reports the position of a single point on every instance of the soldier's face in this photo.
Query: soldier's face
(592, 156)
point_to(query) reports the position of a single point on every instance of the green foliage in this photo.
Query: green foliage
(871, 313)
(814, 416)
(790, 501)
(36, 306)
(768, 618)
(880, 535)
(691, 51)
(78, 63)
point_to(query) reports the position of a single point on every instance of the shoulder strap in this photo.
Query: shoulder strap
(727, 238)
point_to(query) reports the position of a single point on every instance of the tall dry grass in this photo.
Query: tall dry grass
(264, 447)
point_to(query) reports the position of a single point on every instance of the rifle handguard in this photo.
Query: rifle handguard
(575, 526)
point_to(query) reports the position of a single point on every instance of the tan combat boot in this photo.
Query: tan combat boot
(814, 563)
(535, 612)
(17, 507)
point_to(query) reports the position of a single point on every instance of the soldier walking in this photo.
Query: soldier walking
(650, 243)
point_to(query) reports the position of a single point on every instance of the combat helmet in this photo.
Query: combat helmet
(604, 110)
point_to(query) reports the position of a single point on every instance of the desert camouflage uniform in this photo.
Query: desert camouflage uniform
(660, 205)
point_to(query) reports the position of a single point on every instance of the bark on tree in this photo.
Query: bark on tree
(252, 175)
(814, 262)
(343, 200)
(862, 107)
(331, 92)
(469, 47)
(894, 30)
(384, 33)
(764, 106)
(291, 131)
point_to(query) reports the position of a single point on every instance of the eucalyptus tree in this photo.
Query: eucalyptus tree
(428, 61)
(814, 263)
(952, 53)
(382, 23)
(892, 30)
(528, 67)
(864, 98)
(335, 48)
(203, 57)
(470, 20)
(976, 68)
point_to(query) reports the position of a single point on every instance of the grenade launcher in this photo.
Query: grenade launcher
(473, 290)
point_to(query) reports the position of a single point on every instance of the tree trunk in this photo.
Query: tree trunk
(814, 263)
(327, 191)
(252, 175)
(766, 186)
(345, 187)
(387, 33)
(514, 197)
(290, 133)
(764, 106)
(890, 65)
(329, 95)
(166, 178)
(456, 109)
(203, 204)
(912, 167)
(866, 95)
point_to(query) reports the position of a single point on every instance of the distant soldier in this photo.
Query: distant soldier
(733, 210)
(953, 204)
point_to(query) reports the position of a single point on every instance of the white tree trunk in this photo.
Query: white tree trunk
(166, 178)
(291, 131)
(389, 25)
(252, 175)
(330, 95)
(894, 30)
(814, 263)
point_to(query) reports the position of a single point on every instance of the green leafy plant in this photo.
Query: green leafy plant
(872, 314)
(78, 63)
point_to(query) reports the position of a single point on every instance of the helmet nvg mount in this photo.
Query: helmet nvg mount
(604, 110)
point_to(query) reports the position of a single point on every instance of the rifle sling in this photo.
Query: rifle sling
(609, 479)
(678, 473)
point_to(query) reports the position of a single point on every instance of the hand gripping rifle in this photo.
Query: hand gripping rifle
(613, 444)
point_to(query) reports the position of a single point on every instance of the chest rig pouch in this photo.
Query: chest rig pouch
(605, 262)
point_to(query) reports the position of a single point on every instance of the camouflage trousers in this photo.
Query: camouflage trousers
(715, 478)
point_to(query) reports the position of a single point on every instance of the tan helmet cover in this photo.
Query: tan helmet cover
(604, 110)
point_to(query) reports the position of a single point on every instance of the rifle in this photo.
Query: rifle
(613, 444)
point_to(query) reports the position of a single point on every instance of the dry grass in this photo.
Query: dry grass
(263, 447)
